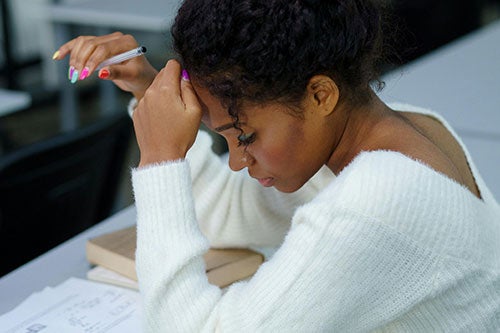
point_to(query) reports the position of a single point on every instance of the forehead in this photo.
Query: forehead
(214, 113)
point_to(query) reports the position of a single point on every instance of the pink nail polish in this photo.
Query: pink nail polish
(185, 75)
(85, 73)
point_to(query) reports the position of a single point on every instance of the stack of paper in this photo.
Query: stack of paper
(102, 274)
(76, 305)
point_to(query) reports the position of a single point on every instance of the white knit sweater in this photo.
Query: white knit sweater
(387, 245)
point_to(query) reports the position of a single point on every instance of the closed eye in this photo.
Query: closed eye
(246, 139)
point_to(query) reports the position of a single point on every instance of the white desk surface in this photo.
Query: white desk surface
(12, 101)
(144, 15)
(461, 81)
(57, 265)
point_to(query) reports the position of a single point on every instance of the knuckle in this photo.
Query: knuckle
(129, 39)
(81, 39)
(90, 42)
(100, 51)
(97, 56)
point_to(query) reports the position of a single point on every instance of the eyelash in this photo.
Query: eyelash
(246, 139)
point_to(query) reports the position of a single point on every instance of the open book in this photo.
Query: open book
(115, 251)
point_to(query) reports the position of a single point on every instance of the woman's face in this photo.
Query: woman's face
(278, 148)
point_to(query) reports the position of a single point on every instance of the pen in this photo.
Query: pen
(123, 57)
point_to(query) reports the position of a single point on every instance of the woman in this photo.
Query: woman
(405, 238)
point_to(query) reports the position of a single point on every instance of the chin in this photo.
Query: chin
(289, 188)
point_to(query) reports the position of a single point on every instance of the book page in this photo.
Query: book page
(102, 274)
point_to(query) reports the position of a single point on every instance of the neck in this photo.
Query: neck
(354, 128)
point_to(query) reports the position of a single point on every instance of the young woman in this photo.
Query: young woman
(404, 238)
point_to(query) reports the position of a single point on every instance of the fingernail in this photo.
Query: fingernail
(185, 75)
(74, 77)
(71, 69)
(55, 55)
(103, 74)
(85, 73)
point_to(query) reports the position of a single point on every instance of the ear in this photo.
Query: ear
(323, 94)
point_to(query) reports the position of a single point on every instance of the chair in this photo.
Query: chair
(54, 189)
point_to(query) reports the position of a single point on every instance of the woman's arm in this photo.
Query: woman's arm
(335, 270)
(333, 264)
(234, 210)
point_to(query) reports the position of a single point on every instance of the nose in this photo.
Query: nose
(239, 158)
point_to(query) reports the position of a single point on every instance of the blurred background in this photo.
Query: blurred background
(38, 207)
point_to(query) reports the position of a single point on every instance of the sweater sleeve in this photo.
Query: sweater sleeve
(334, 272)
(234, 209)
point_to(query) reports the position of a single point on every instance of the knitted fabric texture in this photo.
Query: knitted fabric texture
(388, 244)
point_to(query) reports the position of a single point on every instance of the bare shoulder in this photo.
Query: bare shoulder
(426, 139)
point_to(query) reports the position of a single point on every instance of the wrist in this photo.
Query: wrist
(156, 159)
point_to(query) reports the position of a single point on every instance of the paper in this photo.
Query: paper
(76, 306)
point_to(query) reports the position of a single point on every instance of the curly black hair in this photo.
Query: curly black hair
(264, 50)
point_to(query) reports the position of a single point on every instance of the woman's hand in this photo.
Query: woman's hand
(167, 118)
(87, 52)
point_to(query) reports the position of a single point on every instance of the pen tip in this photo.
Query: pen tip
(143, 49)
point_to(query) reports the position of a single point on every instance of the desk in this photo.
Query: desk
(461, 81)
(57, 265)
(104, 16)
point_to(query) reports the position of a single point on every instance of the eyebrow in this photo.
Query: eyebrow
(224, 127)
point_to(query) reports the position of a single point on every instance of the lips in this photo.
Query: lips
(266, 182)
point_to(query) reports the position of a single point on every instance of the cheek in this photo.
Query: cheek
(280, 149)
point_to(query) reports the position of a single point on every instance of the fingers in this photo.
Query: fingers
(189, 95)
(167, 119)
(169, 80)
(74, 44)
(87, 52)
(107, 49)
(81, 47)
